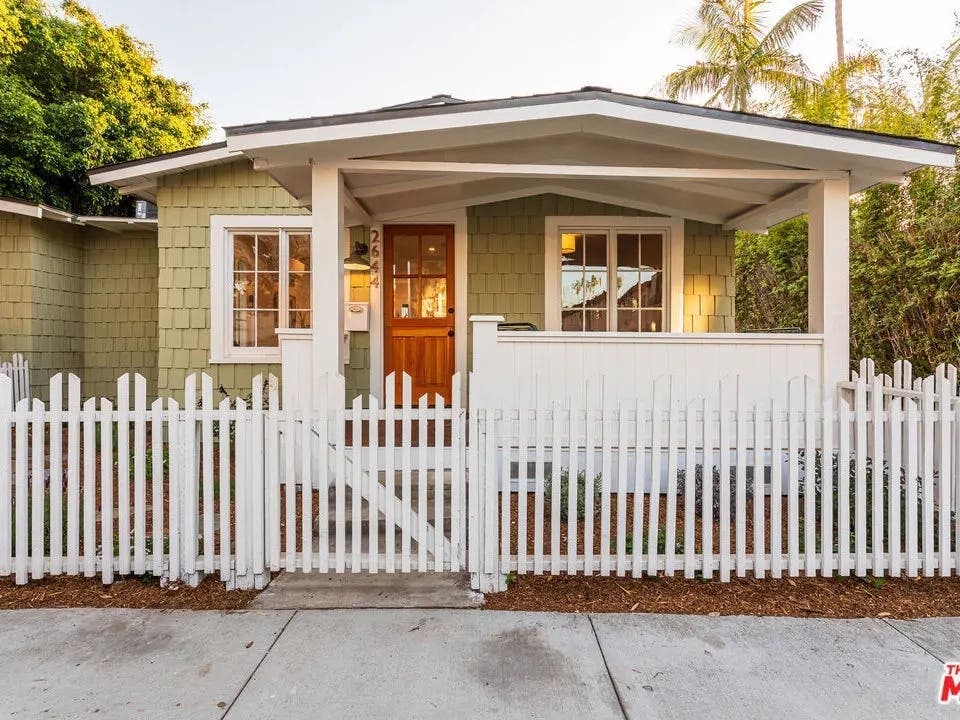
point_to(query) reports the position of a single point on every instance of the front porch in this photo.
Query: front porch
(669, 323)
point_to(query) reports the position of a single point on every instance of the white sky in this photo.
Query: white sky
(253, 60)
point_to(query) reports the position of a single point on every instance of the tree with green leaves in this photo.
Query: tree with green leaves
(75, 93)
(741, 55)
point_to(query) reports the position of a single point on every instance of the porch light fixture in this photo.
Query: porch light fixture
(356, 259)
(568, 243)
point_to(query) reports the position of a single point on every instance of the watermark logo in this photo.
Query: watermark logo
(950, 684)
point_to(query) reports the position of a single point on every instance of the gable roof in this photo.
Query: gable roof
(417, 156)
(424, 108)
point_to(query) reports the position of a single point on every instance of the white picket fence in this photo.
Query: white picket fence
(98, 487)
(18, 370)
(866, 482)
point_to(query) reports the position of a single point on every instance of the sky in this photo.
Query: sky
(252, 60)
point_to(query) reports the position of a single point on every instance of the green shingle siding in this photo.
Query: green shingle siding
(78, 299)
(185, 202)
(505, 261)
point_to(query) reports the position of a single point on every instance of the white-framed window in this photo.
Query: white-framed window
(260, 283)
(613, 274)
(612, 280)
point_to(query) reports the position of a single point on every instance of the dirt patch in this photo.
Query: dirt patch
(70, 592)
(792, 597)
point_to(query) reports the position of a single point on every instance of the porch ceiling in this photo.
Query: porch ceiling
(391, 195)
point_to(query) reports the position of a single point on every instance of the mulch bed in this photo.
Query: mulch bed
(791, 597)
(135, 592)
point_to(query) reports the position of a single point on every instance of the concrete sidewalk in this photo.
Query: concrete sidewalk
(127, 664)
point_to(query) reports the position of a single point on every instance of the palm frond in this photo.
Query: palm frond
(699, 78)
(799, 18)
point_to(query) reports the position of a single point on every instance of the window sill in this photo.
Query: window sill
(272, 358)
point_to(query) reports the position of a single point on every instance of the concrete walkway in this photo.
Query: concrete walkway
(128, 664)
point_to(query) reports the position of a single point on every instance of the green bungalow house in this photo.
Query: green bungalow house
(533, 240)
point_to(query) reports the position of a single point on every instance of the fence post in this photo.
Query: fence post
(485, 570)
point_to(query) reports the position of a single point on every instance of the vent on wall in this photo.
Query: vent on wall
(144, 210)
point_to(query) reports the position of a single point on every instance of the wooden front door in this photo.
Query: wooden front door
(419, 313)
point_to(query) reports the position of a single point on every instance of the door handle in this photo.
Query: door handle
(449, 333)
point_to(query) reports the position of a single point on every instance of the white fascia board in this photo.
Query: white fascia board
(698, 123)
(160, 166)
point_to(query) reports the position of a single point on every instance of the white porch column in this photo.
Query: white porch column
(326, 279)
(828, 268)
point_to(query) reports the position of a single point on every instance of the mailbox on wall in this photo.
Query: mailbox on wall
(356, 317)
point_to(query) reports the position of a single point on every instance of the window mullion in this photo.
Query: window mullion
(611, 280)
(284, 319)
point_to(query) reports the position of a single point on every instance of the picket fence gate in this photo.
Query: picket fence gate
(865, 482)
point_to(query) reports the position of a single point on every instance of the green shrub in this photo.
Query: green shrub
(581, 493)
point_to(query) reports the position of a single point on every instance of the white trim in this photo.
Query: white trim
(797, 137)
(596, 172)
(673, 231)
(401, 186)
(221, 300)
(161, 165)
(759, 219)
(536, 189)
(669, 338)
(457, 218)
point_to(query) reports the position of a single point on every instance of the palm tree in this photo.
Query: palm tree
(838, 23)
(741, 55)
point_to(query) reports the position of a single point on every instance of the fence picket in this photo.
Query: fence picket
(206, 448)
(37, 490)
(356, 480)
(389, 406)
(793, 485)
(653, 525)
(56, 474)
(123, 473)
(860, 491)
(827, 494)
(157, 453)
(139, 474)
(673, 440)
(877, 469)
(6, 476)
(439, 492)
(589, 490)
(606, 482)
(741, 496)
(555, 521)
(373, 479)
(539, 421)
(306, 493)
(759, 495)
(405, 474)
(894, 488)
(927, 409)
(944, 465)
(724, 544)
(290, 495)
(706, 521)
(523, 484)
(21, 493)
(223, 462)
(689, 488)
(639, 496)
(843, 491)
(422, 484)
(323, 481)
(810, 479)
(243, 474)
(776, 491)
(910, 492)
(89, 488)
(106, 491)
